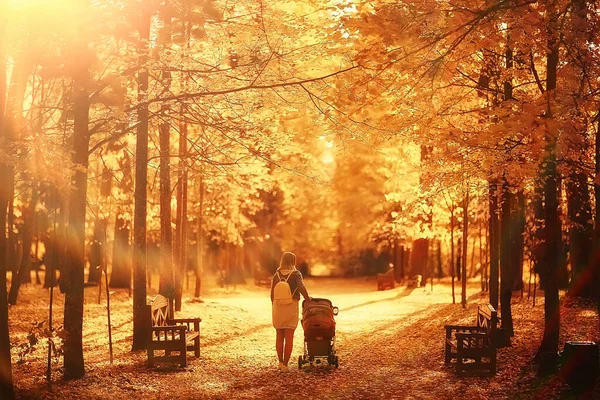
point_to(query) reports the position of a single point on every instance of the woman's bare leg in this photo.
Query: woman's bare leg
(279, 343)
(289, 344)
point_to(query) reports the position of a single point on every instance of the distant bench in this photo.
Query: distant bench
(386, 281)
(473, 347)
(262, 279)
(171, 335)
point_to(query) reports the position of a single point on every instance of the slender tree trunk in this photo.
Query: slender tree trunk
(170, 278)
(182, 198)
(551, 233)
(140, 196)
(595, 263)
(51, 243)
(200, 240)
(465, 246)
(439, 259)
(473, 270)
(167, 279)
(20, 275)
(120, 276)
(6, 379)
(405, 260)
(506, 281)
(517, 239)
(96, 252)
(481, 263)
(580, 233)
(493, 240)
(452, 251)
(486, 261)
(73, 316)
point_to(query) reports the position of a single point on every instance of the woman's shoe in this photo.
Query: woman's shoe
(281, 366)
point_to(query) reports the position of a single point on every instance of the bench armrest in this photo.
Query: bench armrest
(185, 320)
(167, 328)
(464, 328)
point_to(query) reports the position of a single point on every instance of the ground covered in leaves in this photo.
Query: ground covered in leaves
(390, 345)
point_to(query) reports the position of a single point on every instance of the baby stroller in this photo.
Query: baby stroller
(319, 332)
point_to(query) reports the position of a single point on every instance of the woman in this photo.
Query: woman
(284, 301)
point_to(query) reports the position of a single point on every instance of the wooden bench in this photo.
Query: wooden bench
(171, 335)
(385, 281)
(473, 347)
(262, 279)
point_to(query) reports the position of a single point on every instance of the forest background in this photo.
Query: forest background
(180, 136)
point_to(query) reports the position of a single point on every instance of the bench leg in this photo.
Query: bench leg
(150, 352)
(459, 364)
(459, 358)
(183, 353)
(197, 340)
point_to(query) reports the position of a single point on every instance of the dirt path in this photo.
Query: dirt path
(389, 344)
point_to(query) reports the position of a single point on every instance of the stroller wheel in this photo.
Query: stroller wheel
(300, 362)
(330, 359)
(336, 361)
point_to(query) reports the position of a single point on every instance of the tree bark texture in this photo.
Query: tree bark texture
(506, 281)
(96, 252)
(140, 195)
(182, 198)
(6, 379)
(200, 240)
(551, 232)
(465, 245)
(581, 232)
(120, 276)
(517, 230)
(494, 243)
(23, 273)
(74, 271)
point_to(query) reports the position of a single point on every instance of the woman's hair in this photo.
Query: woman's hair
(287, 260)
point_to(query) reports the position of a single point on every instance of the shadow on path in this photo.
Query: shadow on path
(407, 291)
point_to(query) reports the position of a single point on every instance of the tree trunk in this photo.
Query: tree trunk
(140, 196)
(439, 259)
(486, 261)
(6, 379)
(23, 273)
(465, 246)
(452, 272)
(517, 231)
(200, 241)
(75, 261)
(418, 263)
(182, 198)
(120, 276)
(595, 263)
(473, 270)
(494, 247)
(551, 232)
(96, 252)
(170, 279)
(580, 234)
(506, 281)
(167, 279)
